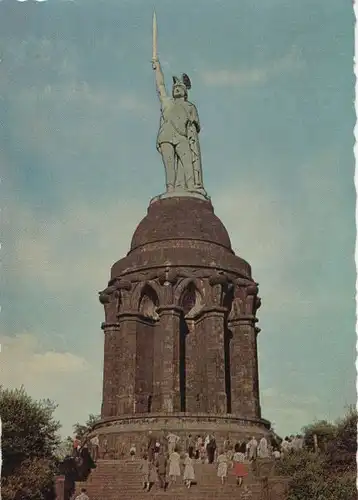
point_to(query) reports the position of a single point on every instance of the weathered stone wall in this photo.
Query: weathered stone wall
(181, 362)
(121, 433)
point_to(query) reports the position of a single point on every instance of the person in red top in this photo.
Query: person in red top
(240, 469)
(76, 445)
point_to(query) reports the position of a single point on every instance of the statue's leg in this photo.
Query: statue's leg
(185, 157)
(168, 156)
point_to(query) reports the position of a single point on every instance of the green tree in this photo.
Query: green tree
(330, 474)
(29, 443)
(81, 430)
(341, 452)
(325, 432)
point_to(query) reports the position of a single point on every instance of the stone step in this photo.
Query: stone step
(195, 493)
(122, 480)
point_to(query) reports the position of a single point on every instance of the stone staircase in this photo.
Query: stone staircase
(122, 480)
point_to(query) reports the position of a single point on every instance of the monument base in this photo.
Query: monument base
(181, 193)
(118, 434)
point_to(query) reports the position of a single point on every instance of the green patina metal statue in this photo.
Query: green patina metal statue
(178, 136)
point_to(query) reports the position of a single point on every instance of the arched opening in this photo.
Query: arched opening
(145, 349)
(148, 303)
(189, 299)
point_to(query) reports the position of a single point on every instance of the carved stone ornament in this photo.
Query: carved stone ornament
(168, 277)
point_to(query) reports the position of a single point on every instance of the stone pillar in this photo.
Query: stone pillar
(126, 367)
(212, 325)
(166, 376)
(110, 371)
(144, 364)
(195, 389)
(244, 369)
(60, 487)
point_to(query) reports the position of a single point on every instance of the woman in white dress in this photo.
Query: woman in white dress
(174, 466)
(222, 466)
(189, 473)
(262, 449)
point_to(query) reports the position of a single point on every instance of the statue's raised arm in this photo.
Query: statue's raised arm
(159, 78)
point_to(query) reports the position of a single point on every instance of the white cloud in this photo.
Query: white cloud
(64, 377)
(264, 234)
(77, 246)
(76, 125)
(288, 413)
(254, 75)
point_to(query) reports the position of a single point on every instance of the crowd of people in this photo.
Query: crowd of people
(166, 461)
(166, 469)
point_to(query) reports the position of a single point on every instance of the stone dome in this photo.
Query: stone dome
(180, 231)
(180, 218)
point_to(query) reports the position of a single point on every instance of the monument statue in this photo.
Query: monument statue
(178, 136)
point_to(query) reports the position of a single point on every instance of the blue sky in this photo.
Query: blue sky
(273, 83)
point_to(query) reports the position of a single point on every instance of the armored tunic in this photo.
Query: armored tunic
(175, 117)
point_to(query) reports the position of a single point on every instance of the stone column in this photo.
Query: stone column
(166, 376)
(126, 367)
(212, 326)
(110, 298)
(244, 368)
(110, 372)
(60, 487)
(195, 389)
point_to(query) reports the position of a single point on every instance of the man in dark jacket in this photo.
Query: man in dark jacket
(161, 465)
(151, 446)
(210, 449)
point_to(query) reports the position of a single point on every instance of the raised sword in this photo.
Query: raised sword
(155, 38)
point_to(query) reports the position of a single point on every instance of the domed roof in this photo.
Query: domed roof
(180, 218)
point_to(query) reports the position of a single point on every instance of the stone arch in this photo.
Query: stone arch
(186, 285)
(189, 299)
(148, 288)
(148, 303)
(228, 299)
(145, 301)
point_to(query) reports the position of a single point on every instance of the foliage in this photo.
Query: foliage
(341, 452)
(29, 430)
(325, 432)
(81, 430)
(33, 479)
(331, 473)
(64, 449)
(29, 441)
